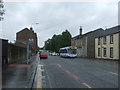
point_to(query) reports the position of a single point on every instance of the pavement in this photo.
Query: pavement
(20, 74)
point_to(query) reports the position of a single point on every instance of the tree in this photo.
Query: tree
(58, 41)
(67, 37)
(2, 11)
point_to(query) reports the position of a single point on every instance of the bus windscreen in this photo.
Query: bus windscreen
(72, 51)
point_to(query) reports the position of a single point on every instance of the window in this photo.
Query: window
(111, 39)
(104, 52)
(63, 51)
(72, 51)
(98, 51)
(99, 41)
(111, 52)
(104, 40)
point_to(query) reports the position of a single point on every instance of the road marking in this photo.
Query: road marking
(48, 79)
(77, 78)
(19, 65)
(112, 73)
(55, 64)
(40, 65)
(87, 85)
(58, 65)
(39, 81)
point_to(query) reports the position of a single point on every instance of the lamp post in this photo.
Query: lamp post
(29, 44)
(32, 29)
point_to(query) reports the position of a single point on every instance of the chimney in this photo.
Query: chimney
(80, 30)
(31, 28)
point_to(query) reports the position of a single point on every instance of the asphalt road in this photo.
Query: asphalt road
(79, 73)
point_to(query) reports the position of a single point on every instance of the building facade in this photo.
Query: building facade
(107, 44)
(24, 36)
(85, 43)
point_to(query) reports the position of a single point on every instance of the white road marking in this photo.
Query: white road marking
(48, 79)
(87, 85)
(112, 73)
(40, 65)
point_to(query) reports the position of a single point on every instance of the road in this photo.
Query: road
(79, 73)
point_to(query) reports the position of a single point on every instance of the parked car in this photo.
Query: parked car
(53, 54)
(57, 54)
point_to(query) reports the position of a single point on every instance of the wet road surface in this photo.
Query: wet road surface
(80, 73)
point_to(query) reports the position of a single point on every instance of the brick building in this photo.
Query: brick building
(24, 36)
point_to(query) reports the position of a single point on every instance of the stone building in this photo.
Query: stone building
(25, 35)
(85, 43)
(107, 44)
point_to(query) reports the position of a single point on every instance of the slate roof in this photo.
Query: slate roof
(80, 36)
(110, 31)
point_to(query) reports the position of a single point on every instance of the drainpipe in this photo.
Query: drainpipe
(101, 46)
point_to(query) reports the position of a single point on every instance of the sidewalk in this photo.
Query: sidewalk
(19, 75)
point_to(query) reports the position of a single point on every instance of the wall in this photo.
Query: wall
(115, 46)
(91, 43)
(4, 51)
(72, 42)
(82, 46)
(16, 53)
(119, 45)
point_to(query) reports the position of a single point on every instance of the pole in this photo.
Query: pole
(27, 52)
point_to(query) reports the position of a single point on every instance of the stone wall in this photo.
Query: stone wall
(16, 53)
(82, 46)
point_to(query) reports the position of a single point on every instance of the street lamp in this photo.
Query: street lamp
(34, 24)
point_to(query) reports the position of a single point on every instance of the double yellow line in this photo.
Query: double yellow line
(39, 78)
(39, 81)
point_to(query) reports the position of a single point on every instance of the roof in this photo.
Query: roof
(80, 36)
(23, 30)
(3, 39)
(110, 31)
(68, 47)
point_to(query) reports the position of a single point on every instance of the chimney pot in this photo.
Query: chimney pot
(80, 30)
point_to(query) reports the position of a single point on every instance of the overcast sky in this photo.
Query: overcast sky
(55, 17)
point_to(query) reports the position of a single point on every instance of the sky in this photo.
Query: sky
(55, 17)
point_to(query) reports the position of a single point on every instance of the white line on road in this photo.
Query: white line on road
(87, 85)
(112, 73)
(48, 78)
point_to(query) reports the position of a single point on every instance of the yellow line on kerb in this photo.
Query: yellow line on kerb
(87, 85)
(39, 81)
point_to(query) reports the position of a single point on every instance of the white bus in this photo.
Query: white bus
(68, 52)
